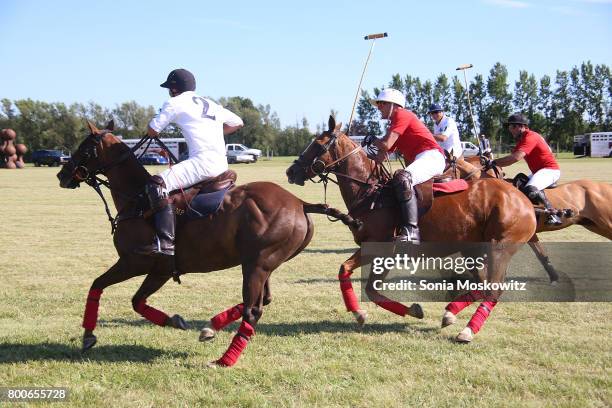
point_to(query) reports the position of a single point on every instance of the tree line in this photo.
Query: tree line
(577, 101)
(55, 125)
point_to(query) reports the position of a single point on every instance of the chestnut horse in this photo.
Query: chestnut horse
(258, 226)
(589, 202)
(489, 210)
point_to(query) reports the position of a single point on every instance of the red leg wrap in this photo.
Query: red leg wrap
(348, 294)
(463, 301)
(481, 315)
(151, 314)
(226, 317)
(239, 342)
(91, 309)
(392, 306)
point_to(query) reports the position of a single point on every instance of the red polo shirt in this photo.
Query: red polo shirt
(537, 152)
(414, 137)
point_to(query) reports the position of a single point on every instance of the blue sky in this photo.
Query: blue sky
(301, 58)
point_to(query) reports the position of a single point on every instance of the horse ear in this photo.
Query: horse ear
(92, 128)
(337, 127)
(110, 125)
(331, 123)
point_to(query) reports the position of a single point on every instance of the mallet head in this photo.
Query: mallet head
(375, 36)
(464, 66)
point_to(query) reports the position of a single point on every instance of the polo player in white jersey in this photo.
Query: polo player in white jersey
(203, 123)
(445, 131)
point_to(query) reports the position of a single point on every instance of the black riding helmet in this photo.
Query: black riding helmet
(180, 79)
(518, 119)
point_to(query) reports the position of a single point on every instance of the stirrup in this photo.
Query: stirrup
(409, 235)
(553, 219)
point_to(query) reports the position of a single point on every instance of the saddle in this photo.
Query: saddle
(382, 195)
(203, 198)
(520, 180)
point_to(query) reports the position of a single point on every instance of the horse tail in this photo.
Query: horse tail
(332, 212)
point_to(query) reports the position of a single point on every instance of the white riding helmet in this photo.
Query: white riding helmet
(390, 95)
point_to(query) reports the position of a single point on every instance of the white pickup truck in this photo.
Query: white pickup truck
(239, 153)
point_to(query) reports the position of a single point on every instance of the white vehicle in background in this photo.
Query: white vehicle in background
(469, 149)
(239, 153)
(597, 144)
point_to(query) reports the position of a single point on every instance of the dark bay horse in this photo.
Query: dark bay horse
(258, 226)
(489, 210)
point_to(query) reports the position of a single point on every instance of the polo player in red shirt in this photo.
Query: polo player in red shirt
(425, 158)
(532, 147)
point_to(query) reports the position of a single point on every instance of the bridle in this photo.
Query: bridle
(83, 173)
(322, 170)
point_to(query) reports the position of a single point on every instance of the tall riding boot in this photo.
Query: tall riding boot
(538, 197)
(163, 217)
(402, 185)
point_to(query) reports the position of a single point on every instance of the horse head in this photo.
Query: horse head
(317, 156)
(89, 159)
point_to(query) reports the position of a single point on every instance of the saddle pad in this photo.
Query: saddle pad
(452, 186)
(205, 204)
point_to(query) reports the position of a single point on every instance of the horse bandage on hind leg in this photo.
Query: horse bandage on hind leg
(348, 294)
(91, 309)
(239, 342)
(393, 307)
(481, 315)
(151, 314)
(463, 301)
(227, 316)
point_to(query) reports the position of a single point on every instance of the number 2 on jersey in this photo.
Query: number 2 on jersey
(205, 107)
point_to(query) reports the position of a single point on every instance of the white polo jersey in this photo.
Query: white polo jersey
(201, 122)
(448, 127)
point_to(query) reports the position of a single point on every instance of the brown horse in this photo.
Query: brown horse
(589, 202)
(258, 226)
(488, 211)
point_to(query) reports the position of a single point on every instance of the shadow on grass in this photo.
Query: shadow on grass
(300, 328)
(23, 353)
(330, 251)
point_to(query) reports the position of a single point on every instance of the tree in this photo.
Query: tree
(498, 108)
(367, 123)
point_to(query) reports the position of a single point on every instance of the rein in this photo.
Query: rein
(323, 170)
(92, 179)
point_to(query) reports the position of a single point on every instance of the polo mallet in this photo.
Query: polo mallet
(373, 37)
(483, 142)
(463, 68)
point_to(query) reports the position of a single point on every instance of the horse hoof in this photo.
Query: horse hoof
(554, 283)
(88, 342)
(360, 317)
(465, 336)
(178, 322)
(207, 334)
(448, 319)
(415, 310)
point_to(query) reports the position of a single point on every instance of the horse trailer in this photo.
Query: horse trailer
(177, 146)
(597, 144)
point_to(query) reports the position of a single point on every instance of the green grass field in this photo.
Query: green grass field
(307, 351)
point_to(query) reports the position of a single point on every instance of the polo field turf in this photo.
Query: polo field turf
(307, 350)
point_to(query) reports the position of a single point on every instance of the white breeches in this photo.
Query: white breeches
(190, 171)
(426, 165)
(544, 178)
